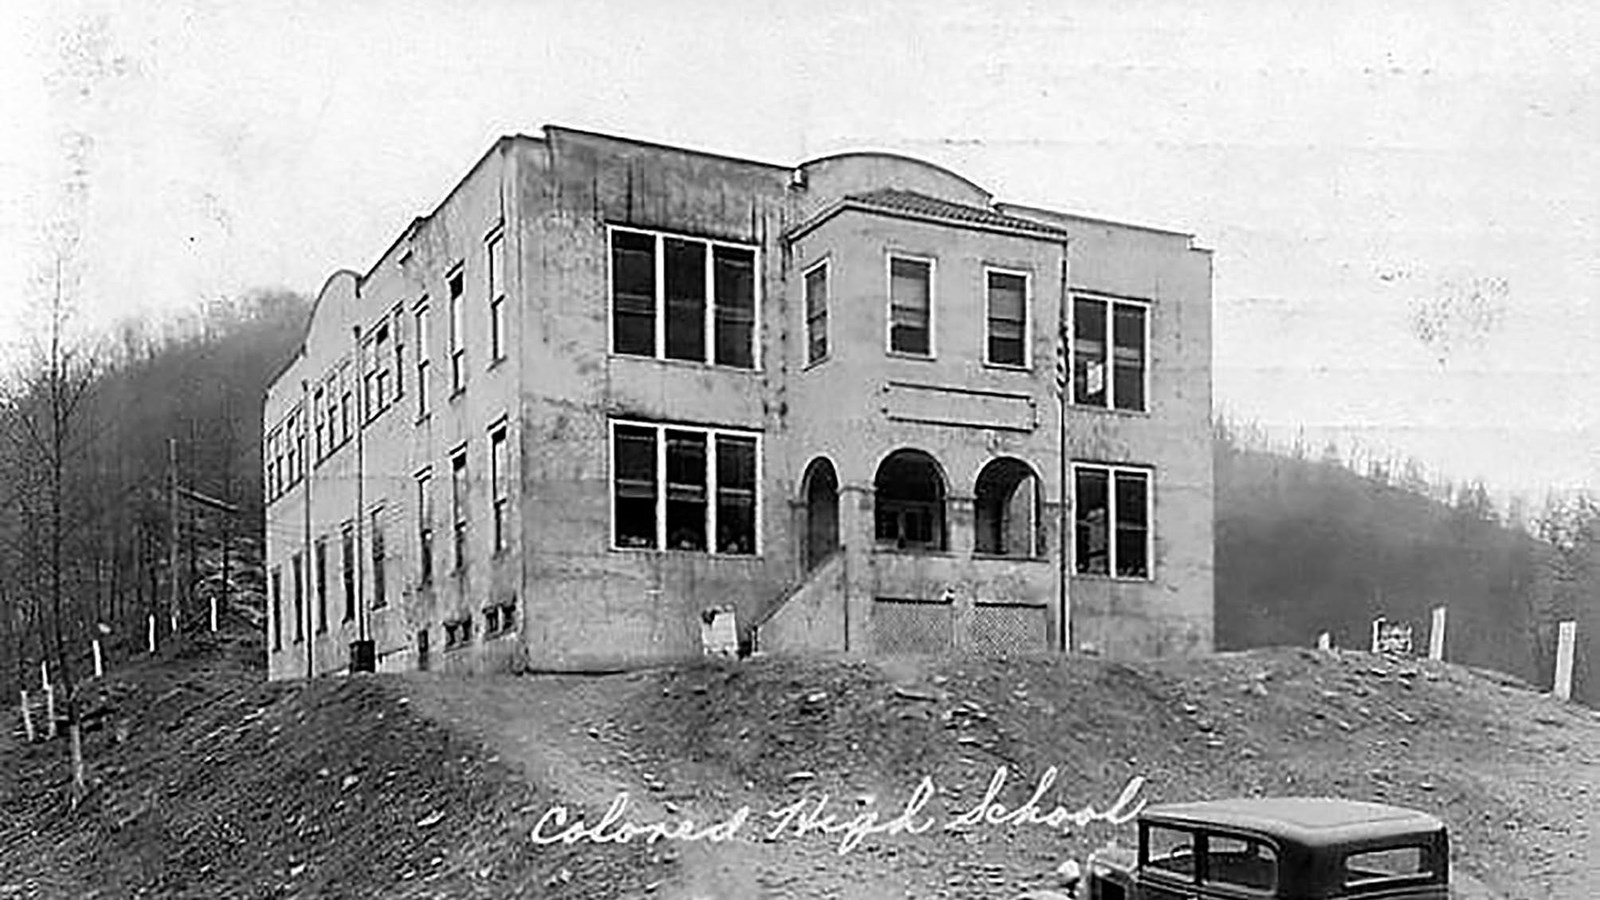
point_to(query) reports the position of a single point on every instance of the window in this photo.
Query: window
(347, 560)
(910, 306)
(1097, 324)
(1241, 862)
(676, 487)
(908, 498)
(499, 619)
(380, 598)
(1170, 850)
(425, 526)
(321, 567)
(296, 445)
(497, 299)
(457, 633)
(399, 352)
(298, 574)
(1390, 863)
(497, 484)
(347, 402)
(277, 609)
(376, 377)
(678, 297)
(1008, 318)
(1113, 520)
(422, 361)
(458, 505)
(320, 443)
(817, 314)
(458, 333)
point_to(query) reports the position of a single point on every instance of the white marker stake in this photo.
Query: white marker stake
(1324, 641)
(50, 712)
(152, 635)
(27, 719)
(44, 677)
(99, 661)
(213, 613)
(1566, 638)
(1436, 635)
(1377, 626)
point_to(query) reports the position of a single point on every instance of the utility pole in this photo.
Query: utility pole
(1063, 385)
(307, 465)
(172, 543)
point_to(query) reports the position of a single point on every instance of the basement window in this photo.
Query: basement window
(458, 633)
(676, 297)
(499, 619)
(1112, 506)
(675, 487)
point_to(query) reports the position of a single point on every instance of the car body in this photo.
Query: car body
(1305, 848)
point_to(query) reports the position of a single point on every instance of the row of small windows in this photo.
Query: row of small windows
(336, 408)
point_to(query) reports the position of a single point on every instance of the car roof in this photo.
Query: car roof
(1317, 821)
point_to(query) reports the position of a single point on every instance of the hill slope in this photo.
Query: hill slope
(429, 786)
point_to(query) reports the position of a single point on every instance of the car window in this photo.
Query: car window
(1170, 850)
(1368, 866)
(1241, 862)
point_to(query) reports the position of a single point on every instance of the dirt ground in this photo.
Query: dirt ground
(209, 783)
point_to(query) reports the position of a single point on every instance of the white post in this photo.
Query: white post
(1324, 641)
(213, 612)
(174, 624)
(152, 633)
(99, 660)
(1377, 628)
(44, 676)
(1436, 635)
(27, 719)
(1566, 638)
(50, 712)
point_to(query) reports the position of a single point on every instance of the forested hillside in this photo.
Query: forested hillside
(1308, 545)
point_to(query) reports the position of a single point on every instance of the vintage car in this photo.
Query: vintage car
(1287, 847)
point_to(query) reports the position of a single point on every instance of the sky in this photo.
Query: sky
(1403, 200)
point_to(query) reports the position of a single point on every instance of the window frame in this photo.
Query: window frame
(712, 494)
(380, 557)
(1111, 303)
(1027, 317)
(888, 324)
(455, 281)
(460, 487)
(807, 315)
(709, 309)
(419, 316)
(499, 478)
(320, 569)
(423, 480)
(495, 275)
(1111, 471)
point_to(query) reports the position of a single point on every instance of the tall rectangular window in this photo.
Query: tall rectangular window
(277, 609)
(320, 565)
(425, 526)
(458, 332)
(677, 297)
(297, 586)
(680, 488)
(347, 569)
(398, 317)
(293, 434)
(423, 388)
(347, 402)
(497, 485)
(320, 444)
(497, 299)
(817, 313)
(380, 597)
(1109, 360)
(1113, 520)
(910, 306)
(1007, 318)
(458, 506)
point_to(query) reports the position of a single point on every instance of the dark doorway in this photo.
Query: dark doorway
(822, 512)
(909, 499)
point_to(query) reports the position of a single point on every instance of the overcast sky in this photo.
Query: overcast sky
(1404, 203)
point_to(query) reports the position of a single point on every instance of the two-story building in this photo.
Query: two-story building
(608, 386)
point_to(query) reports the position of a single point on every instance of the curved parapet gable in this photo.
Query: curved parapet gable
(831, 178)
(332, 316)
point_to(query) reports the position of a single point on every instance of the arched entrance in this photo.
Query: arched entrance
(822, 512)
(909, 502)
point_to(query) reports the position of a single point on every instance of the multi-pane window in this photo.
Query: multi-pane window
(497, 484)
(458, 332)
(298, 575)
(320, 566)
(683, 298)
(457, 633)
(347, 568)
(684, 488)
(1114, 380)
(500, 618)
(425, 526)
(816, 287)
(277, 609)
(910, 306)
(458, 507)
(1113, 520)
(376, 374)
(1007, 318)
(497, 299)
(379, 595)
(422, 361)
